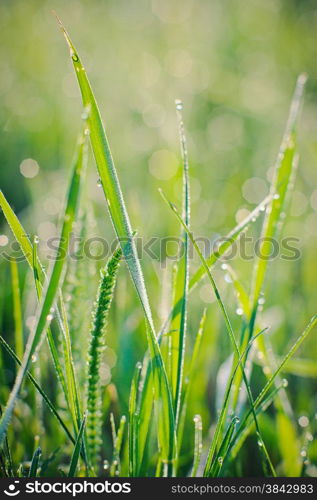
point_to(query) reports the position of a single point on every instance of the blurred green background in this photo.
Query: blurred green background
(234, 65)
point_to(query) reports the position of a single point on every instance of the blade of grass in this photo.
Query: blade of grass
(78, 445)
(121, 222)
(35, 463)
(198, 444)
(39, 389)
(17, 308)
(179, 318)
(134, 423)
(44, 311)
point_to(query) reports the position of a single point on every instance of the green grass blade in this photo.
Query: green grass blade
(285, 164)
(226, 242)
(179, 318)
(115, 468)
(39, 389)
(189, 378)
(35, 463)
(17, 309)
(133, 431)
(121, 222)
(198, 444)
(44, 311)
(77, 449)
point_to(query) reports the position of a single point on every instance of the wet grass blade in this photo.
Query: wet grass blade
(39, 389)
(35, 463)
(121, 222)
(17, 309)
(179, 318)
(48, 300)
(198, 444)
(77, 449)
(133, 427)
(285, 165)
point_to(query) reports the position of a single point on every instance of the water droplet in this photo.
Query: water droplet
(260, 443)
(179, 104)
(239, 311)
(284, 382)
(224, 266)
(105, 464)
(276, 196)
(262, 208)
(75, 57)
(303, 421)
(49, 317)
(261, 300)
(220, 460)
(309, 436)
(52, 310)
(303, 453)
(197, 419)
(87, 131)
(253, 219)
(34, 358)
(138, 365)
(36, 240)
(99, 183)
(236, 420)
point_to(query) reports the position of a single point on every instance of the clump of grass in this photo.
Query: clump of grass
(96, 347)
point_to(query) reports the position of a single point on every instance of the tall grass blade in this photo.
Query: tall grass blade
(121, 222)
(78, 445)
(44, 313)
(35, 463)
(17, 309)
(179, 317)
(198, 444)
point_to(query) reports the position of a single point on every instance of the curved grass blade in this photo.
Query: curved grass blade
(39, 389)
(78, 445)
(35, 463)
(48, 300)
(121, 222)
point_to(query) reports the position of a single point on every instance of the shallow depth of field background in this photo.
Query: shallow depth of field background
(234, 66)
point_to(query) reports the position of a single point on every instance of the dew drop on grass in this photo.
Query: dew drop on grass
(49, 317)
(284, 382)
(220, 460)
(179, 104)
(105, 464)
(75, 57)
(239, 311)
(276, 196)
(303, 453)
(260, 443)
(224, 266)
(36, 240)
(34, 358)
(236, 420)
(303, 421)
(99, 183)
(139, 365)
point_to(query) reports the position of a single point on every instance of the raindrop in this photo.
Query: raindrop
(75, 57)
(36, 240)
(303, 453)
(139, 365)
(284, 382)
(105, 464)
(239, 311)
(260, 443)
(179, 104)
(220, 460)
(236, 420)
(303, 421)
(276, 196)
(99, 183)
(224, 266)
(49, 317)
(34, 358)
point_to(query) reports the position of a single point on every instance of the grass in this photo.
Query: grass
(91, 435)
